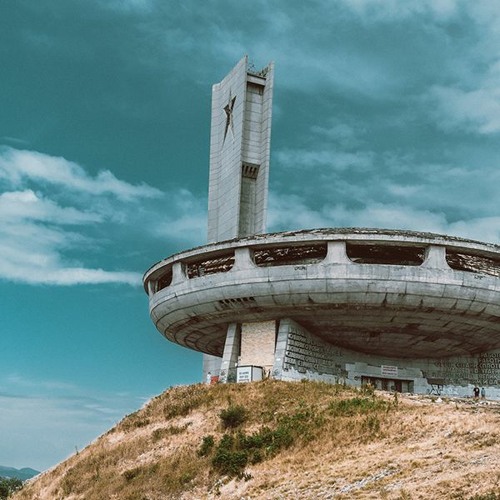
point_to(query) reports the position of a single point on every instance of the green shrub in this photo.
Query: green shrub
(368, 389)
(372, 424)
(207, 445)
(9, 486)
(231, 463)
(356, 406)
(229, 459)
(235, 451)
(233, 416)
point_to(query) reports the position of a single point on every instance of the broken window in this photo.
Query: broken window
(473, 263)
(385, 254)
(221, 264)
(290, 255)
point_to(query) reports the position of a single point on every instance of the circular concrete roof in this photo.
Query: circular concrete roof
(391, 293)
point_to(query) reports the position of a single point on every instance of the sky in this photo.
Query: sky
(386, 114)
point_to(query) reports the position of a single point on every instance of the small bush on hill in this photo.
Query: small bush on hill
(356, 406)
(235, 451)
(206, 446)
(233, 416)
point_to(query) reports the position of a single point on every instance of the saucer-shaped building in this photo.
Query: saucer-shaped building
(407, 311)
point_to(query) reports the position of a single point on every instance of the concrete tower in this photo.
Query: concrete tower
(240, 143)
(239, 153)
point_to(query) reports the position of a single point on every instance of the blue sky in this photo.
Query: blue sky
(386, 114)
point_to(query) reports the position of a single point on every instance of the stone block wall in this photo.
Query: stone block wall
(258, 344)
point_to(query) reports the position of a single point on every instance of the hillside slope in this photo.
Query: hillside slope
(276, 439)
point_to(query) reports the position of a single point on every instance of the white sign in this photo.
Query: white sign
(389, 371)
(244, 374)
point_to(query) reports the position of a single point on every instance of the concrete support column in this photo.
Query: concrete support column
(435, 257)
(242, 259)
(336, 253)
(281, 344)
(231, 351)
(178, 275)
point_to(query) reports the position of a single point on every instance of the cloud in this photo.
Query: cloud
(34, 254)
(19, 166)
(394, 188)
(474, 111)
(58, 215)
(290, 212)
(129, 6)
(339, 133)
(185, 221)
(28, 205)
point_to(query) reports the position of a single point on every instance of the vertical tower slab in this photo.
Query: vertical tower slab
(239, 152)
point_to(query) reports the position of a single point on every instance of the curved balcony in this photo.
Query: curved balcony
(394, 293)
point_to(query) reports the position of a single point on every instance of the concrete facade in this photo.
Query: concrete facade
(240, 144)
(406, 311)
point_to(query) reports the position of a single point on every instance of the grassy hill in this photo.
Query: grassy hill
(276, 439)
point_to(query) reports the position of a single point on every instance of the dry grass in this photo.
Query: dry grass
(320, 441)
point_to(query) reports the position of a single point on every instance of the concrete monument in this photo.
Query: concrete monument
(405, 311)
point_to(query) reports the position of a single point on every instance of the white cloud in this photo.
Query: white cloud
(28, 205)
(287, 212)
(135, 6)
(35, 238)
(18, 166)
(388, 216)
(338, 132)
(186, 219)
(475, 110)
(482, 229)
(34, 254)
(291, 212)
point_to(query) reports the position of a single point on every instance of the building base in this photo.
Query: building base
(300, 354)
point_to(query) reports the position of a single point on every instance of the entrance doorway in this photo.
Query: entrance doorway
(388, 384)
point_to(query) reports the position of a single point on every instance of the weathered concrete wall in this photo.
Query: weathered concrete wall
(300, 354)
